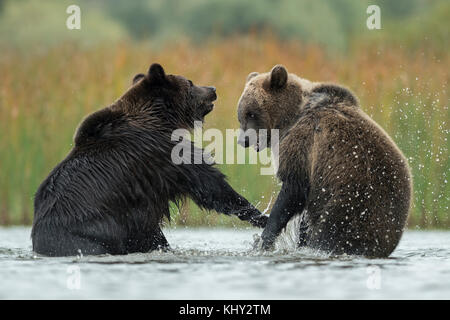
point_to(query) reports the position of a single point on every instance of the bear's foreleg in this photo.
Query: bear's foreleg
(209, 189)
(291, 200)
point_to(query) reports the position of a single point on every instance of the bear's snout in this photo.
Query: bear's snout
(208, 96)
(211, 93)
(244, 140)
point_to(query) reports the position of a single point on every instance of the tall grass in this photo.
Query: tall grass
(44, 95)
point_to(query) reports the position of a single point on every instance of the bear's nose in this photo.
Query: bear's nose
(212, 95)
(244, 141)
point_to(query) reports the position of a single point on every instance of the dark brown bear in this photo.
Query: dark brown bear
(111, 192)
(340, 170)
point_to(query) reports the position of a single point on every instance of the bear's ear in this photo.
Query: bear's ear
(251, 76)
(278, 77)
(156, 73)
(138, 77)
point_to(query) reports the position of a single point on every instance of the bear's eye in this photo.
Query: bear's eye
(251, 115)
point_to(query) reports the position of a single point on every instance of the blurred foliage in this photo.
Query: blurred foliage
(329, 23)
(427, 30)
(40, 24)
(44, 96)
(52, 77)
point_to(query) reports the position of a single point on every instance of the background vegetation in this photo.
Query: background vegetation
(51, 77)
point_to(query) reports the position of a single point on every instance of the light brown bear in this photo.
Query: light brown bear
(340, 170)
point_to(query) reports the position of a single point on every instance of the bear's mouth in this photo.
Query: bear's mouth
(207, 109)
(262, 142)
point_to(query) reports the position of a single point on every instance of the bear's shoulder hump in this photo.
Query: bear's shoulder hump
(96, 125)
(336, 94)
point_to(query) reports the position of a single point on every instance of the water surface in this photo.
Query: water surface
(220, 264)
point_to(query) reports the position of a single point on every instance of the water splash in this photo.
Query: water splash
(287, 240)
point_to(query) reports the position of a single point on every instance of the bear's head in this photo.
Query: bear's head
(276, 99)
(270, 100)
(173, 97)
(174, 101)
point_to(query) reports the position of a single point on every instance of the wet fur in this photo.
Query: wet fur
(111, 192)
(340, 170)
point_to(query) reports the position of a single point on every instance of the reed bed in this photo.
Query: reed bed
(45, 93)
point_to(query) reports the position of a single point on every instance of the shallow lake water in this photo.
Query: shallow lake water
(211, 263)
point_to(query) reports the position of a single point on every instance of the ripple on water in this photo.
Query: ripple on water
(221, 264)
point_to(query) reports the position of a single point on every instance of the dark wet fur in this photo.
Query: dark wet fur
(111, 192)
(351, 200)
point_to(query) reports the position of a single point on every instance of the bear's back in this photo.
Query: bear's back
(356, 176)
(104, 171)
